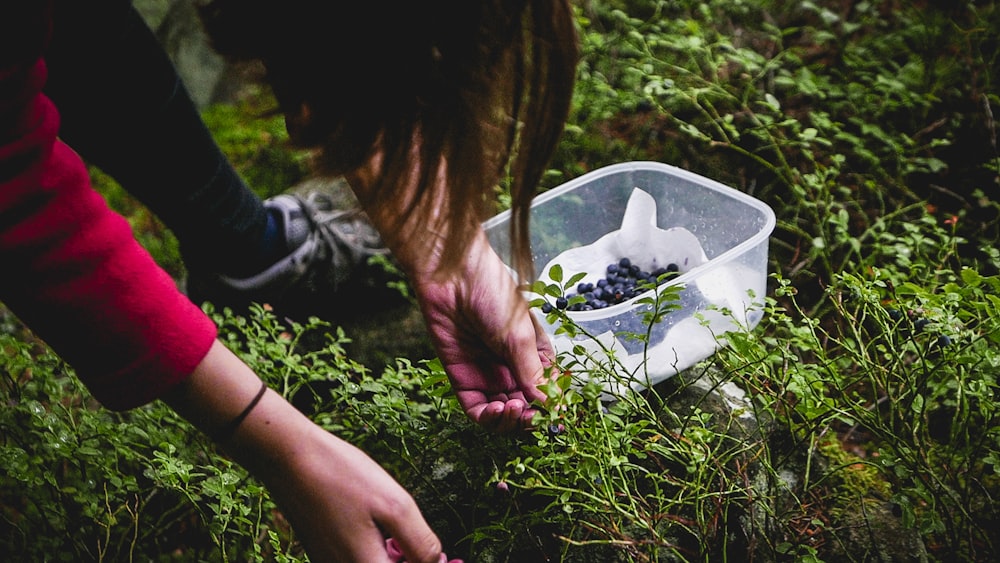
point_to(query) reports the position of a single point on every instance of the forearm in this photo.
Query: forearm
(218, 391)
(338, 500)
(275, 442)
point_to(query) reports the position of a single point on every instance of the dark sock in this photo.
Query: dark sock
(273, 247)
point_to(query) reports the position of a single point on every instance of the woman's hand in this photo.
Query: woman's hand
(341, 504)
(491, 346)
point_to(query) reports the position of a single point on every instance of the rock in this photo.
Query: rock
(208, 76)
(873, 532)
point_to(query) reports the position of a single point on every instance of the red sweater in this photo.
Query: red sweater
(70, 267)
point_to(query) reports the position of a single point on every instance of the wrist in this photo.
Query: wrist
(225, 433)
(272, 438)
(226, 400)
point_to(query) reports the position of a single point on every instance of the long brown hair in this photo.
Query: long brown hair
(484, 85)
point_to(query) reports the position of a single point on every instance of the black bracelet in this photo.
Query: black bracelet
(226, 432)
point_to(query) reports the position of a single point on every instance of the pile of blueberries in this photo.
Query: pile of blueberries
(624, 280)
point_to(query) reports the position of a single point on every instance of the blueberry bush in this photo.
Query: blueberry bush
(862, 421)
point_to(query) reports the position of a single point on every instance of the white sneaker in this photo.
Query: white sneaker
(332, 256)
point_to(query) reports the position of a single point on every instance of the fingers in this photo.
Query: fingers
(502, 411)
(509, 419)
(546, 352)
(498, 415)
(412, 539)
(498, 393)
(396, 554)
(526, 349)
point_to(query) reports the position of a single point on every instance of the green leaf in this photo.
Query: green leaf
(553, 290)
(771, 101)
(575, 279)
(556, 273)
(971, 277)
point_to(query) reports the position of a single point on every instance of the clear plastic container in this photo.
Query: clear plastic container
(722, 294)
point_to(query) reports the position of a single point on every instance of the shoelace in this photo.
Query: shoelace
(342, 227)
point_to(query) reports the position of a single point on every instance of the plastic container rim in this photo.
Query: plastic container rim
(757, 238)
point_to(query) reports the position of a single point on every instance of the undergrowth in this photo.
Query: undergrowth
(860, 419)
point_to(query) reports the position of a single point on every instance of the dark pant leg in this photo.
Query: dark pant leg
(126, 111)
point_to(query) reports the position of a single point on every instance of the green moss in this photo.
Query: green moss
(254, 138)
(851, 478)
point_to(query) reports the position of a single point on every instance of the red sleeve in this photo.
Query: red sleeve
(71, 269)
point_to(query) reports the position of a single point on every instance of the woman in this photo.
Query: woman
(432, 100)
(421, 105)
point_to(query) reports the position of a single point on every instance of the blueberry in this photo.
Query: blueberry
(589, 296)
(546, 307)
(668, 273)
(612, 268)
(944, 340)
(556, 429)
(920, 323)
(634, 270)
(602, 282)
(624, 263)
(561, 302)
(895, 314)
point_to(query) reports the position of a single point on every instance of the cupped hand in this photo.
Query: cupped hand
(492, 347)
